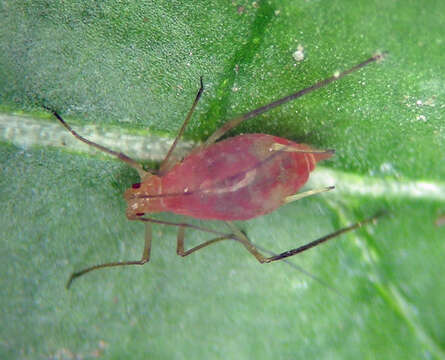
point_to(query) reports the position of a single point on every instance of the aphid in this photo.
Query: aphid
(235, 179)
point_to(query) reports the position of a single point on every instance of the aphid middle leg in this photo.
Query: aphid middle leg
(180, 243)
(144, 259)
(133, 163)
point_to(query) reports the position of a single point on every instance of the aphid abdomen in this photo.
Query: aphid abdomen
(238, 178)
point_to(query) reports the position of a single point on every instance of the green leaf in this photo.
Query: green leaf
(132, 69)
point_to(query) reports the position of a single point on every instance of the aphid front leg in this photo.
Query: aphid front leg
(181, 224)
(126, 159)
(181, 234)
(144, 259)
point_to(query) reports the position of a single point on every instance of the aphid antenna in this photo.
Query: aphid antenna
(134, 164)
(166, 163)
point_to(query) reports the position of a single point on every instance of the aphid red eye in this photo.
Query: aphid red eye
(140, 214)
(136, 186)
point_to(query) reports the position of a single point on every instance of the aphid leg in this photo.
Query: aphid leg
(307, 193)
(247, 244)
(134, 164)
(144, 259)
(302, 270)
(262, 259)
(184, 225)
(180, 242)
(239, 119)
(323, 239)
(180, 251)
(167, 163)
(181, 235)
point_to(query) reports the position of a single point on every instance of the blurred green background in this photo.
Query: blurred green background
(133, 67)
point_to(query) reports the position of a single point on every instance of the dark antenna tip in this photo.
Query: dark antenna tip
(373, 219)
(48, 108)
(201, 88)
(380, 55)
(381, 213)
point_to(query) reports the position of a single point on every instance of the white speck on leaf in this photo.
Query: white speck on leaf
(298, 55)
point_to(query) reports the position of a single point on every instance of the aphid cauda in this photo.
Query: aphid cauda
(235, 179)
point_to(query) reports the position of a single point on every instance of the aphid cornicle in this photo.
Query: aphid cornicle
(235, 179)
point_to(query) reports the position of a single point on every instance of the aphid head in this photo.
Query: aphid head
(143, 198)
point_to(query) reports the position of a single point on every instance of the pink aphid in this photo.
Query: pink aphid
(235, 179)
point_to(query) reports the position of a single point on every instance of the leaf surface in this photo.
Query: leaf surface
(132, 69)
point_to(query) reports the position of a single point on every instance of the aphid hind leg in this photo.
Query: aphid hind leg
(242, 238)
(179, 224)
(133, 163)
(323, 239)
(167, 163)
(262, 259)
(144, 259)
(180, 251)
(232, 123)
